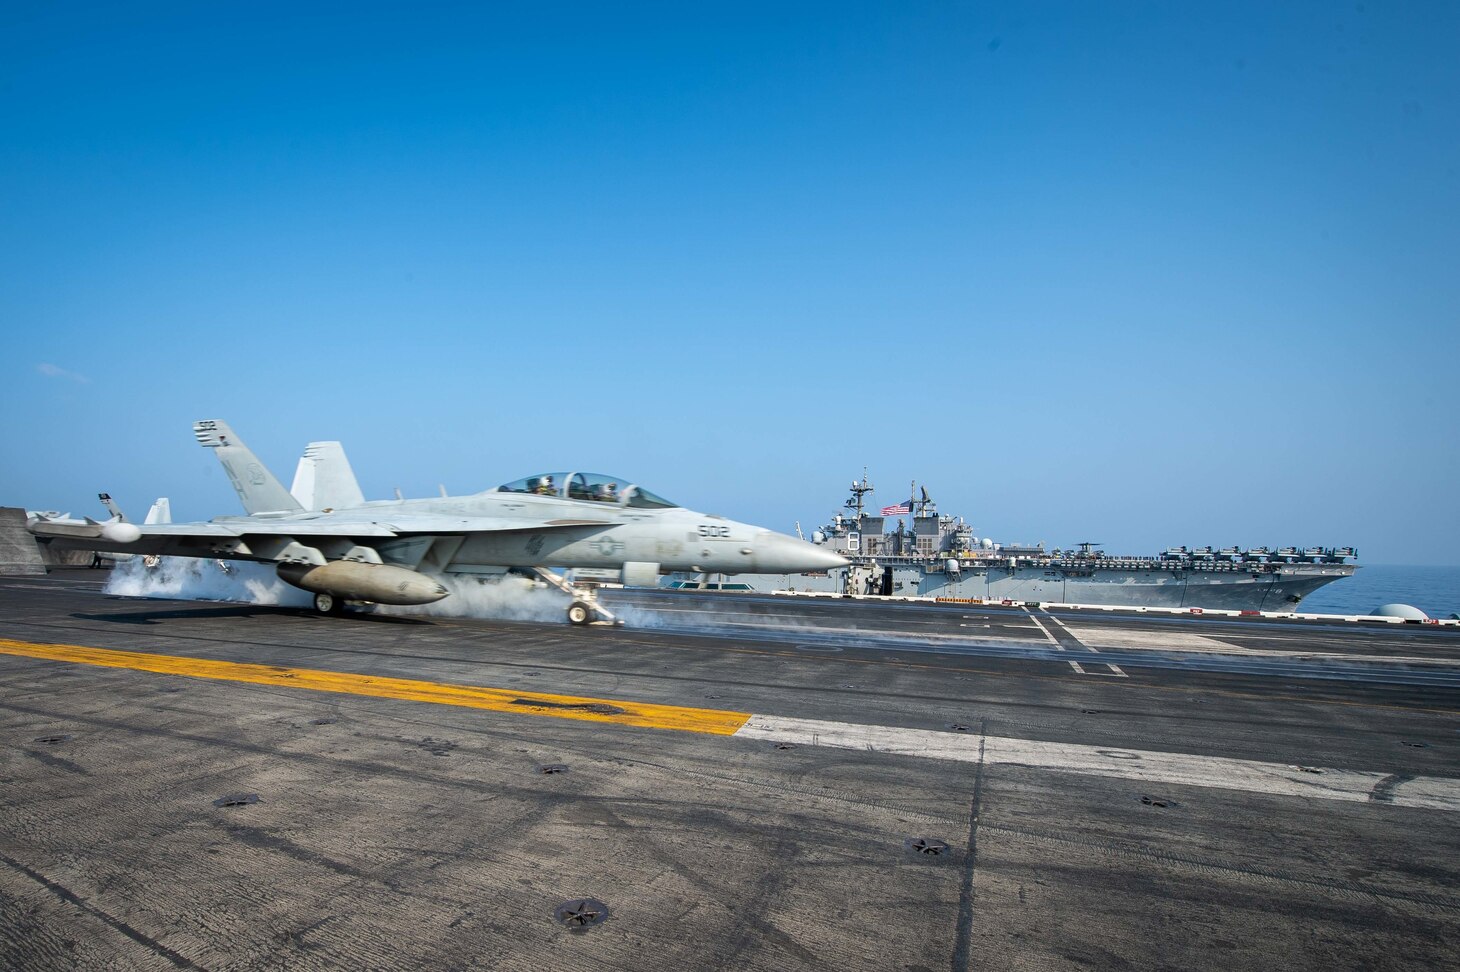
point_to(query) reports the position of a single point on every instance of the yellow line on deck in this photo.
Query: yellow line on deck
(716, 721)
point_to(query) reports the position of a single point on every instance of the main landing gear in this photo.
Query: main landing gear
(585, 608)
(329, 604)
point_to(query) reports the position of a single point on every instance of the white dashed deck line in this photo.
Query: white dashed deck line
(1055, 641)
(1115, 670)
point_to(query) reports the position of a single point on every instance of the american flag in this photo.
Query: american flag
(897, 510)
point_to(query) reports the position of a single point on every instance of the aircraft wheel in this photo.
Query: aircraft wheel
(328, 604)
(580, 612)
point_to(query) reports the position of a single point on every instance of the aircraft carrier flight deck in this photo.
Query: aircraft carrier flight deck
(725, 782)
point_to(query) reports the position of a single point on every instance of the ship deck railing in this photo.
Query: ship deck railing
(1133, 608)
(938, 562)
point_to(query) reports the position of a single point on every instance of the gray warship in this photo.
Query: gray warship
(938, 556)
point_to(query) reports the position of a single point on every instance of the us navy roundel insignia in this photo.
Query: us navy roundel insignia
(607, 546)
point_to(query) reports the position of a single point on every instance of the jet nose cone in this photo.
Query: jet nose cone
(776, 553)
(827, 559)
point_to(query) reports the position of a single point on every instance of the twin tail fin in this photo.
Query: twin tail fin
(259, 490)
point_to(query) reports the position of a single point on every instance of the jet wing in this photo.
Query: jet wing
(272, 528)
(202, 539)
(347, 525)
(224, 535)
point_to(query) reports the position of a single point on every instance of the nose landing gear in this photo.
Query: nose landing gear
(585, 608)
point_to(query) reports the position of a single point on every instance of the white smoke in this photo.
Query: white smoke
(197, 579)
(510, 598)
(699, 615)
(633, 616)
(507, 598)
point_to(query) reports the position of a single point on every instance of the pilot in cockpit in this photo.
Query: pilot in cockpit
(545, 486)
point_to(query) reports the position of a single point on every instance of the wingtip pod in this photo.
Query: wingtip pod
(119, 532)
(112, 531)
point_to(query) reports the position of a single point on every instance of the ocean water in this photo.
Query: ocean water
(1434, 590)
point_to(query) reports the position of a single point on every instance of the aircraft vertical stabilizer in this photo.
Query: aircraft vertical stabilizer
(111, 507)
(161, 512)
(324, 479)
(256, 486)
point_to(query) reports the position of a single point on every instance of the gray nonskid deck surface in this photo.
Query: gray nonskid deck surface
(392, 834)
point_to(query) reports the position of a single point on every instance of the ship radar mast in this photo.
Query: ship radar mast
(860, 489)
(924, 506)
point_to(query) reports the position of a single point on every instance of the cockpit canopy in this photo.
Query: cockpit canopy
(593, 487)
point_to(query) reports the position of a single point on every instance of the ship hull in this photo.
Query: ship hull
(1280, 589)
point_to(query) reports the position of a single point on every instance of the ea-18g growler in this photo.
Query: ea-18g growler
(324, 537)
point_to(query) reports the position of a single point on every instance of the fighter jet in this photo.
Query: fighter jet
(325, 538)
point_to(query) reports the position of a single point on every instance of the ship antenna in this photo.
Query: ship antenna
(859, 490)
(926, 505)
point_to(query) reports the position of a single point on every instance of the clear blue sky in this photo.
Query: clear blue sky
(1137, 273)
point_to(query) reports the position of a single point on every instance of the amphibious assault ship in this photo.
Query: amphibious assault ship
(933, 555)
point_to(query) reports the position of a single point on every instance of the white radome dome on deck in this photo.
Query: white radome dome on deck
(1406, 611)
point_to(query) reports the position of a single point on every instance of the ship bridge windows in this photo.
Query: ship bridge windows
(587, 487)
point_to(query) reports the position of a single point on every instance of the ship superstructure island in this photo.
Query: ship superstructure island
(910, 549)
